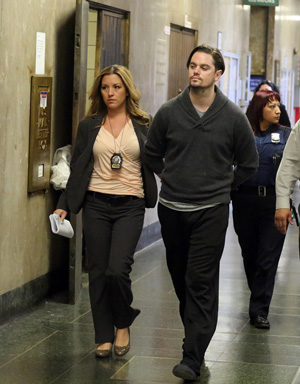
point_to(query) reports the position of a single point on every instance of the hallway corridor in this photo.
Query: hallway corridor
(53, 343)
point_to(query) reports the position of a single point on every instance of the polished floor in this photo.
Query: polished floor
(53, 343)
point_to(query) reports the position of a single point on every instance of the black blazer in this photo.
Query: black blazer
(82, 164)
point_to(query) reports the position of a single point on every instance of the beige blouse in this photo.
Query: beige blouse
(128, 179)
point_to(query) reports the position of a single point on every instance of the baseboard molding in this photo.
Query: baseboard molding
(149, 235)
(25, 297)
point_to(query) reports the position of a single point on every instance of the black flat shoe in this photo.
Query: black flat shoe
(184, 372)
(260, 322)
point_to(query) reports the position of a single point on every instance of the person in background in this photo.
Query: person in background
(111, 183)
(192, 144)
(267, 85)
(253, 205)
(287, 175)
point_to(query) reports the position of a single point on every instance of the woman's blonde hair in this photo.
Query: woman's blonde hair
(132, 99)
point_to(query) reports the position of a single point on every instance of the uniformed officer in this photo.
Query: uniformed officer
(254, 206)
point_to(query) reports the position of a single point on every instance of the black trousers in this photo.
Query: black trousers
(194, 244)
(111, 230)
(261, 244)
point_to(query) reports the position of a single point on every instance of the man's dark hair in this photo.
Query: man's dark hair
(214, 52)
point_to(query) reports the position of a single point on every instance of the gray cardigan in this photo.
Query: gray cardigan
(201, 159)
(83, 161)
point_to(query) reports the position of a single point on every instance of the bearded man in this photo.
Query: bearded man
(201, 146)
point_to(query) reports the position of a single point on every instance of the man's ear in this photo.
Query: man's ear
(218, 74)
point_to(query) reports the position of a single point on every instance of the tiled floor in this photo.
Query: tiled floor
(53, 343)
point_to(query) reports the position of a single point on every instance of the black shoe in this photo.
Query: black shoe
(260, 322)
(184, 372)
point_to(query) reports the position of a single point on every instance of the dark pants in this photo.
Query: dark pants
(261, 244)
(111, 231)
(194, 244)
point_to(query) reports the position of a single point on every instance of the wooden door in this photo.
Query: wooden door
(182, 42)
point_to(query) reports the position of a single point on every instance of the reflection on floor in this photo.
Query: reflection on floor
(53, 343)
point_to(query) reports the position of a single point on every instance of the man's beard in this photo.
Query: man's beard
(201, 88)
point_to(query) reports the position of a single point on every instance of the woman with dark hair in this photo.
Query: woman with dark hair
(267, 85)
(111, 183)
(254, 206)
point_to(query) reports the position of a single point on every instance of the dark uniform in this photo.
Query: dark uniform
(253, 214)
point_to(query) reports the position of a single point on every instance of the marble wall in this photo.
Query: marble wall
(27, 248)
(258, 39)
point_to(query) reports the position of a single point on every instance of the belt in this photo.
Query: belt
(117, 199)
(257, 190)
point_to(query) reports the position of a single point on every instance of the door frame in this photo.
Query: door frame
(79, 86)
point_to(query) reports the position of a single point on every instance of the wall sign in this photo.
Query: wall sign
(40, 53)
(219, 40)
(270, 3)
(254, 81)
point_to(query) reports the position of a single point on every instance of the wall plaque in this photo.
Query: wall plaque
(40, 133)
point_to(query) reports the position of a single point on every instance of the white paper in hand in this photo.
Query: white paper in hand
(61, 228)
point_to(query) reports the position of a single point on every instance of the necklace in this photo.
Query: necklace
(116, 160)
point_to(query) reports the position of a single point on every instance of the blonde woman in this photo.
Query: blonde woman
(112, 185)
